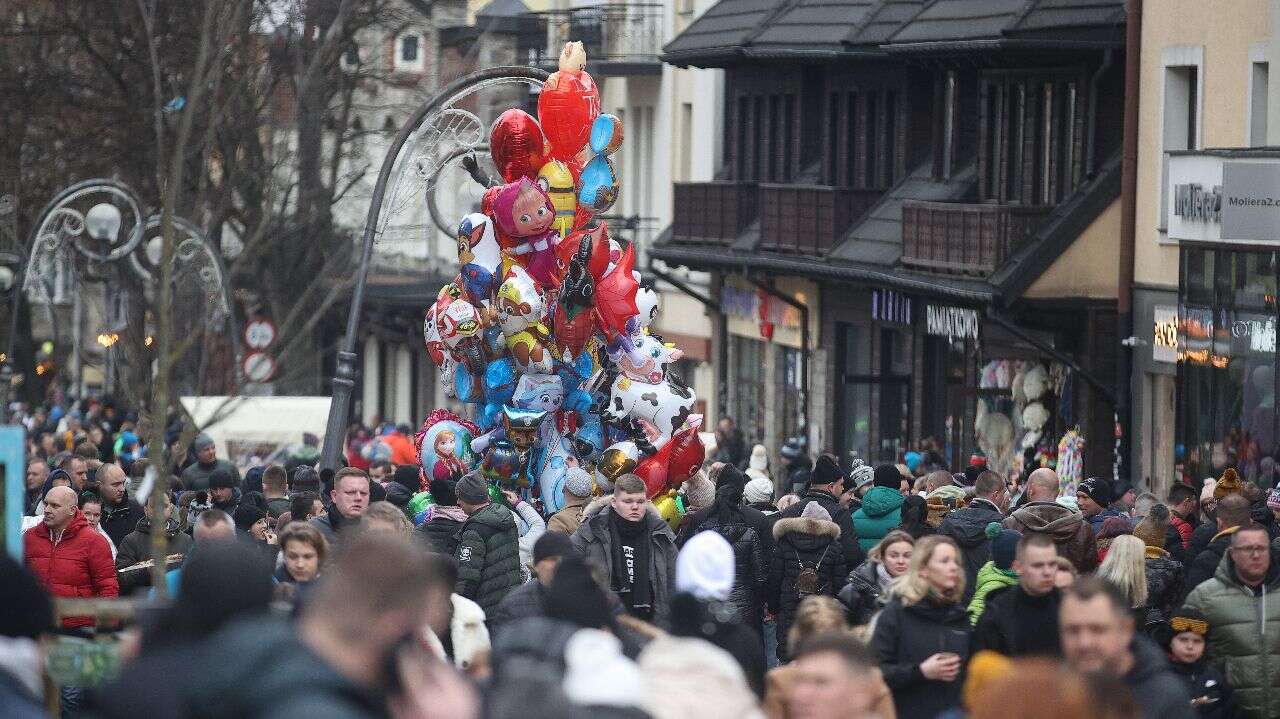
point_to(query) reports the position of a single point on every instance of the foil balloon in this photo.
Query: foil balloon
(598, 186)
(521, 308)
(444, 446)
(568, 104)
(670, 508)
(571, 334)
(647, 304)
(518, 146)
(675, 461)
(502, 463)
(479, 258)
(619, 459)
(558, 182)
(578, 289)
(643, 392)
(616, 295)
(521, 426)
(606, 134)
(524, 212)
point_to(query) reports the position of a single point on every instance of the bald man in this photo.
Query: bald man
(67, 555)
(120, 515)
(1070, 531)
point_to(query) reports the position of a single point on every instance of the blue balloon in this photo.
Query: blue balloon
(603, 131)
(599, 184)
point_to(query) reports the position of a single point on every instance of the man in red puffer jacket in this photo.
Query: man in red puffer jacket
(68, 557)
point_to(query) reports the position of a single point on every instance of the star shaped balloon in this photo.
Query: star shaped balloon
(616, 296)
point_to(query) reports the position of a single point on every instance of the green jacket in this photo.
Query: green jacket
(1244, 635)
(488, 557)
(881, 513)
(989, 580)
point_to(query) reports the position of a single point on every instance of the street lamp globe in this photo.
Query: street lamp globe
(103, 222)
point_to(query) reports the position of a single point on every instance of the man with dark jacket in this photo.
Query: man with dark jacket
(136, 548)
(825, 487)
(488, 551)
(1244, 627)
(1097, 629)
(120, 515)
(224, 490)
(275, 483)
(529, 599)
(197, 475)
(1070, 531)
(440, 531)
(741, 527)
(350, 497)
(1023, 619)
(628, 539)
(1093, 496)
(1232, 514)
(968, 526)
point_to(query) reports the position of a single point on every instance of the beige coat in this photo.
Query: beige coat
(568, 519)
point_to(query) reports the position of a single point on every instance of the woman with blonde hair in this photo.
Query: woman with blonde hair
(868, 586)
(815, 615)
(386, 517)
(1125, 568)
(922, 635)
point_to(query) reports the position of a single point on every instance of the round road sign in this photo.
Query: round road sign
(258, 366)
(259, 334)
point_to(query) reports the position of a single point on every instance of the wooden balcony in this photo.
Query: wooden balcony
(712, 213)
(964, 239)
(809, 219)
(620, 38)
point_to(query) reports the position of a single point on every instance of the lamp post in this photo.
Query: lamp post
(438, 105)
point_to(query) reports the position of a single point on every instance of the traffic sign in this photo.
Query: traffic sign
(258, 366)
(259, 334)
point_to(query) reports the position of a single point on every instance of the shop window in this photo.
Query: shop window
(894, 417)
(1227, 379)
(1031, 149)
(790, 383)
(1180, 119)
(944, 424)
(887, 391)
(748, 386)
(1259, 73)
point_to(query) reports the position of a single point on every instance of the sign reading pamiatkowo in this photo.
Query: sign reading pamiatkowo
(954, 323)
(1251, 201)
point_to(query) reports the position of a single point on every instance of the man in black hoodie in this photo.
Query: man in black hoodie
(1097, 630)
(825, 487)
(968, 526)
(1023, 619)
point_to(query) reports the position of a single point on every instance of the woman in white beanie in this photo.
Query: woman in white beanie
(758, 465)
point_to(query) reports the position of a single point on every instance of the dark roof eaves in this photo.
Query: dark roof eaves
(990, 44)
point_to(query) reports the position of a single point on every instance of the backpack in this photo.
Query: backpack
(809, 580)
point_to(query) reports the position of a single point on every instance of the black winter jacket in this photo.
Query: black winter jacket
(137, 548)
(1164, 589)
(843, 518)
(1156, 690)
(905, 637)
(1206, 562)
(441, 534)
(527, 600)
(488, 557)
(1016, 624)
(717, 622)
(802, 542)
(1200, 538)
(751, 559)
(862, 596)
(119, 522)
(1211, 695)
(968, 526)
(594, 539)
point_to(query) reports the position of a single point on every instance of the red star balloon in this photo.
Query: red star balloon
(616, 296)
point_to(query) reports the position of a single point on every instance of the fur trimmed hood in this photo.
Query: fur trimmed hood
(806, 525)
(601, 504)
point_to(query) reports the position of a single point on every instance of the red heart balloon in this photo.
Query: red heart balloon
(568, 104)
(518, 146)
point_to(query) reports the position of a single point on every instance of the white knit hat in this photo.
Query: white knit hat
(759, 489)
(862, 474)
(813, 510)
(577, 482)
(758, 464)
(598, 674)
(1206, 492)
(704, 567)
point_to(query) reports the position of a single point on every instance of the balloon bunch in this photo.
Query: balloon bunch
(545, 329)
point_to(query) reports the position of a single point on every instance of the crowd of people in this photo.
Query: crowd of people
(887, 591)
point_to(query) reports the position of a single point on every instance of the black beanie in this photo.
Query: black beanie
(246, 515)
(220, 582)
(730, 475)
(27, 609)
(575, 597)
(222, 478)
(407, 475)
(887, 475)
(443, 493)
(825, 471)
(552, 544)
(377, 493)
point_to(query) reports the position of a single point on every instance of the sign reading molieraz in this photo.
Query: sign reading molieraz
(1251, 201)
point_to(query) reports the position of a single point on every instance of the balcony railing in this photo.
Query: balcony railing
(620, 38)
(809, 219)
(712, 213)
(968, 239)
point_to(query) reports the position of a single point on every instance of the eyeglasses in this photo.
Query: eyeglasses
(1251, 551)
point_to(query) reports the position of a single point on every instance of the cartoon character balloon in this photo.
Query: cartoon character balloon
(479, 257)
(518, 146)
(557, 181)
(525, 213)
(568, 104)
(444, 445)
(642, 392)
(521, 308)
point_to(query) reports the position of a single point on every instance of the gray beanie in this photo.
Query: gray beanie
(577, 482)
(473, 488)
(202, 441)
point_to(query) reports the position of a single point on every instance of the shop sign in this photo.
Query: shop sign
(954, 323)
(890, 306)
(756, 305)
(1261, 334)
(1164, 338)
(1251, 201)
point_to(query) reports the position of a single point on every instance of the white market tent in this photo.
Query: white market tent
(245, 426)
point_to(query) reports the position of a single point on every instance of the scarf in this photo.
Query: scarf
(631, 550)
(884, 578)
